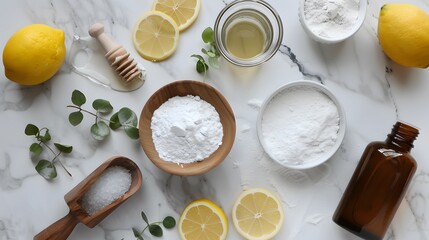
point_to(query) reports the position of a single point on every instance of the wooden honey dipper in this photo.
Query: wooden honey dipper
(116, 55)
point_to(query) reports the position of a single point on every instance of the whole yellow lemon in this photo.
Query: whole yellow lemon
(403, 32)
(34, 54)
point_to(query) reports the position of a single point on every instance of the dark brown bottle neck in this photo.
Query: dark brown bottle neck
(402, 136)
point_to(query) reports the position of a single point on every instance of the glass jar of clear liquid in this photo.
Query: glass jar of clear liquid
(248, 32)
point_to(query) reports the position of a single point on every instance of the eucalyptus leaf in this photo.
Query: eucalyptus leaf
(214, 62)
(213, 49)
(137, 234)
(78, 98)
(64, 148)
(155, 230)
(132, 132)
(102, 106)
(35, 149)
(144, 217)
(169, 222)
(31, 130)
(100, 130)
(46, 169)
(75, 118)
(211, 54)
(45, 137)
(127, 117)
(202, 67)
(199, 57)
(208, 35)
(114, 122)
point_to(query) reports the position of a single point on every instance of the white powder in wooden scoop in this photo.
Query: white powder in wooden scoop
(110, 185)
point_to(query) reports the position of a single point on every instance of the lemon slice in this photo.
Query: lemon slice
(203, 220)
(155, 36)
(257, 214)
(184, 12)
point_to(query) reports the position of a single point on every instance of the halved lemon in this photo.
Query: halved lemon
(184, 12)
(155, 36)
(203, 220)
(257, 214)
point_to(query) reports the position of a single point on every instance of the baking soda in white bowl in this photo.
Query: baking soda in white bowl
(301, 125)
(331, 21)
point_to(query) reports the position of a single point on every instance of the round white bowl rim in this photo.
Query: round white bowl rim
(330, 40)
(341, 131)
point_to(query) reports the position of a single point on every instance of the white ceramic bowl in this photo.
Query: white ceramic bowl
(339, 37)
(340, 135)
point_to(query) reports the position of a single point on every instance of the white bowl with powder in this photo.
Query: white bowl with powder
(331, 21)
(301, 125)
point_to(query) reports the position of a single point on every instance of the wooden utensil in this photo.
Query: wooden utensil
(116, 55)
(208, 94)
(62, 228)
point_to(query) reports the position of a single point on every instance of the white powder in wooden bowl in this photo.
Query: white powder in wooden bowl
(186, 129)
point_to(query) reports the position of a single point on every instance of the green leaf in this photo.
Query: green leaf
(155, 230)
(137, 234)
(213, 49)
(213, 61)
(211, 54)
(132, 132)
(64, 148)
(35, 149)
(100, 130)
(202, 67)
(169, 222)
(127, 117)
(75, 118)
(144, 218)
(199, 57)
(46, 137)
(114, 122)
(208, 35)
(31, 130)
(46, 169)
(102, 106)
(78, 98)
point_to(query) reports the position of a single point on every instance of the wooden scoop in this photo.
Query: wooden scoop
(62, 228)
(116, 55)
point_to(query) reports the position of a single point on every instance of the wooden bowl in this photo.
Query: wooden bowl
(208, 94)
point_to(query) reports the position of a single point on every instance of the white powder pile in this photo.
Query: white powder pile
(186, 129)
(299, 125)
(109, 186)
(331, 18)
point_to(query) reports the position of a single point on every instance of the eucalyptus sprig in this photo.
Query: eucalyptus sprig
(211, 52)
(45, 167)
(154, 228)
(124, 118)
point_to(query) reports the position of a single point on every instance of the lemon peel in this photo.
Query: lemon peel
(34, 54)
(403, 33)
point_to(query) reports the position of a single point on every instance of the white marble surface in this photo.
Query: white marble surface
(374, 91)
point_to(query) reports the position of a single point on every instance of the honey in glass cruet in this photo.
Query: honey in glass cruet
(378, 184)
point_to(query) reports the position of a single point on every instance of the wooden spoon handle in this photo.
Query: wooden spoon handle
(59, 230)
(97, 31)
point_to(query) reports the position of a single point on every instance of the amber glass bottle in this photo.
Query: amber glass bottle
(378, 184)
